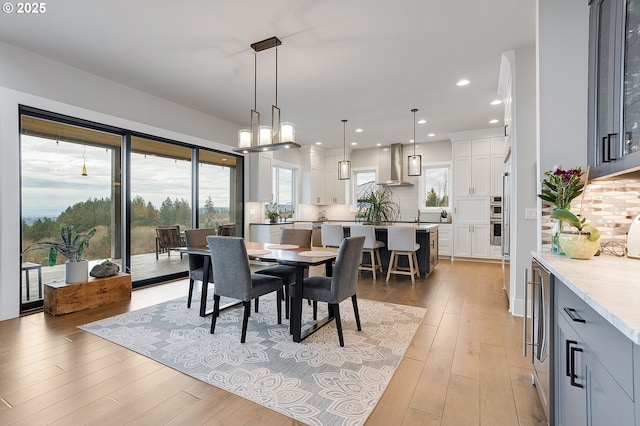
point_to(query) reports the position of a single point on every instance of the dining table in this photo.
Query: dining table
(286, 254)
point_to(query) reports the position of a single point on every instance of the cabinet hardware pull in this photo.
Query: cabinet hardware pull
(574, 315)
(568, 344)
(574, 376)
(609, 135)
(604, 149)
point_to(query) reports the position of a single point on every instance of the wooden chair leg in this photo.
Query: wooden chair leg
(245, 320)
(336, 312)
(391, 259)
(190, 293)
(415, 259)
(216, 312)
(354, 301)
(411, 270)
(374, 267)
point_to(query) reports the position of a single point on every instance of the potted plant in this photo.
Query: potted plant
(378, 207)
(582, 244)
(72, 247)
(272, 212)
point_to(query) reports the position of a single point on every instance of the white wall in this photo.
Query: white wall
(32, 80)
(562, 73)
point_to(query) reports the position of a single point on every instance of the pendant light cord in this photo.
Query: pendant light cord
(344, 140)
(414, 130)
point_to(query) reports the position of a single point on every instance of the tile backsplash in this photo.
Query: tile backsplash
(609, 204)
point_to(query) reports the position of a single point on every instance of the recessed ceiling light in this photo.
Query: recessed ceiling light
(462, 82)
(494, 121)
(410, 140)
(359, 130)
(422, 121)
(354, 143)
(318, 143)
(496, 102)
(431, 135)
(378, 144)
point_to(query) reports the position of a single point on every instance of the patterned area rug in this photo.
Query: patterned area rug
(316, 382)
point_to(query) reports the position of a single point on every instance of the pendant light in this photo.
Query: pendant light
(259, 137)
(344, 166)
(415, 161)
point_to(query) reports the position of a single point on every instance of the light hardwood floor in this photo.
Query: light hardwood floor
(464, 366)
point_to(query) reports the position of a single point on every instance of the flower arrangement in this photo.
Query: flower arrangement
(272, 211)
(560, 187)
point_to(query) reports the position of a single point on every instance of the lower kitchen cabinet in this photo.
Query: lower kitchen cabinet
(471, 240)
(267, 233)
(594, 369)
(445, 239)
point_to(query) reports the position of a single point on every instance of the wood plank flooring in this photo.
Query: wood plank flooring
(464, 366)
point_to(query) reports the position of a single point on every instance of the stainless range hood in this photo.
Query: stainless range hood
(397, 160)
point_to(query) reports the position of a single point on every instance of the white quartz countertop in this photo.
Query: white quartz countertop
(609, 284)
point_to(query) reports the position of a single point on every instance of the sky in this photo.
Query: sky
(52, 180)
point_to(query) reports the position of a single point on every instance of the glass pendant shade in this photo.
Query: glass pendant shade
(84, 170)
(287, 132)
(244, 138)
(264, 136)
(344, 170)
(415, 165)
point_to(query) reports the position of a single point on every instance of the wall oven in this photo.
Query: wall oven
(496, 208)
(496, 232)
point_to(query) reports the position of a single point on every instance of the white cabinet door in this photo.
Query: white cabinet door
(497, 168)
(480, 176)
(334, 189)
(317, 186)
(445, 236)
(472, 210)
(480, 241)
(462, 240)
(462, 176)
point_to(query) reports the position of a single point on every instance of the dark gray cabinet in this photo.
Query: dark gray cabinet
(594, 371)
(614, 86)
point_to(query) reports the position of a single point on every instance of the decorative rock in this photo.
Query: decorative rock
(101, 271)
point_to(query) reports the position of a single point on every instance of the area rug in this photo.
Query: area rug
(316, 381)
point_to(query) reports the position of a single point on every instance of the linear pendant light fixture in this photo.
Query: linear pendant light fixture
(415, 161)
(264, 138)
(344, 166)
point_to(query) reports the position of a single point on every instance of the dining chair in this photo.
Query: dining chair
(233, 278)
(401, 241)
(341, 285)
(197, 238)
(371, 247)
(332, 235)
(287, 273)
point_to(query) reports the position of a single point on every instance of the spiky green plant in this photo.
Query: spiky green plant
(72, 246)
(378, 207)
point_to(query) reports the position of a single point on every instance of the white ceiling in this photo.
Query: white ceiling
(368, 61)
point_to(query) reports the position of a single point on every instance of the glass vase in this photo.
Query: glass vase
(555, 238)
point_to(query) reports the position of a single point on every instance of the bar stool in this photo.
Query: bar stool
(402, 242)
(371, 246)
(332, 235)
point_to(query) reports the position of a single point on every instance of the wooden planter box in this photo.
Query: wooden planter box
(61, 298)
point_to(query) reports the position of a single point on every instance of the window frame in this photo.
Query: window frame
(353, 186)
(295, 183)
(423, 190)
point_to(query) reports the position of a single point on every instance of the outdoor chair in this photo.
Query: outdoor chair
(227, 230)
(168, 238)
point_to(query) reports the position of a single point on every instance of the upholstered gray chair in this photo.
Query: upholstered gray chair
(341, 285)
(371, 246)
(401, 241)
(287, 273)
(332, 235)
(233, 278)
(197, 238)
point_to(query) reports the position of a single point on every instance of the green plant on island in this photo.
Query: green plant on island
(378, 207)
(72, 246)
(566, 216)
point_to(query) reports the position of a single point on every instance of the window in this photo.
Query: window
(284, 190)
(434, 186)
(364, 182)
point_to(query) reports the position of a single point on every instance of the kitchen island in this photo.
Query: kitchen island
(426, 236)
(595, 341)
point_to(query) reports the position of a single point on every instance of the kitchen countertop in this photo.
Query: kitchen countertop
(609, 284)
(424, 226)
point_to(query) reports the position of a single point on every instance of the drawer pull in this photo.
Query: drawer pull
(574, 376)
(574, 315)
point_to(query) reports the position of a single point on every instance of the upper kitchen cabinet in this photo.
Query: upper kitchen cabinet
(614, 87)
(472, 167)
(260, 177)
(334, 189)
(313, 175)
